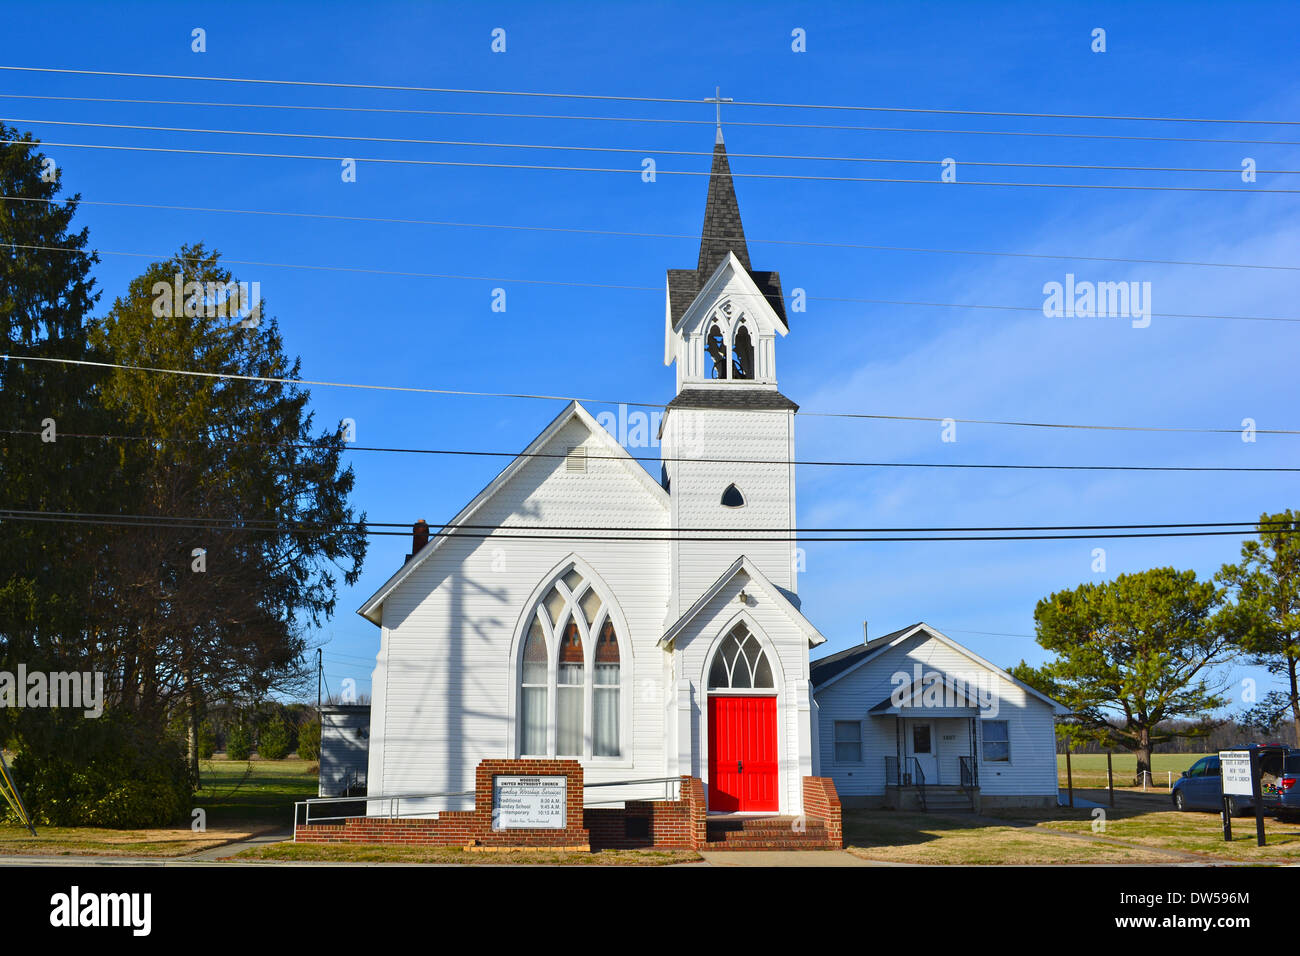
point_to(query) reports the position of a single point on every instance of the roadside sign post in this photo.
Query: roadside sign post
(1256, 771)
(1110, 777)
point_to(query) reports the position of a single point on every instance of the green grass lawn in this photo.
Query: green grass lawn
(1135, 832)
(374, 853)
(1192, 832)
(240, 799)
(237, 793)
(905, 837)
(1090, 769)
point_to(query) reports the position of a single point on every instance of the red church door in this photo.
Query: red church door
(742, 753)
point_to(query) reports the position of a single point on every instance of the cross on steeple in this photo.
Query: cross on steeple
(717, 99)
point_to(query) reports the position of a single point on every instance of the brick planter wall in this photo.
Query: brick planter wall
(821, 802)
(468, 828)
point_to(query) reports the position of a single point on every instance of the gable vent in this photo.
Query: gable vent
(575, 459)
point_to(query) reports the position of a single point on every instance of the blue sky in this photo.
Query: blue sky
(1184, 59)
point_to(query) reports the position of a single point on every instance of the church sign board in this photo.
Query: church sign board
(1238, 778)
(529, 802)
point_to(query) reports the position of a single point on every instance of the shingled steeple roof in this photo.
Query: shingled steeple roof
(722, 233)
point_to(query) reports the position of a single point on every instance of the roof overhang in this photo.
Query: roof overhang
(372, 610)
(923, 629)
(743, 565)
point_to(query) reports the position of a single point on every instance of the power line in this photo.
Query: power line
(655, 120)
(599, 401)
(271, 524)
(782, 462)
(791, 537)
(630, 288)
(642, 99)
(638, 171)
(393, 220)
(639, 150)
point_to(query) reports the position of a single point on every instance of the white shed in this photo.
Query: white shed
(913, 718)
(344, 749)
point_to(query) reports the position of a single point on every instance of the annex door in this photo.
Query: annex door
(742, 753)
(924, 750)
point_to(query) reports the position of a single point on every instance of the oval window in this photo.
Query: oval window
(732, 498)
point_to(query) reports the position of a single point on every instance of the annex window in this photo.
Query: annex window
(732, 498)
(740, 664)
(570, 675)
(848, 741)
(997, 741)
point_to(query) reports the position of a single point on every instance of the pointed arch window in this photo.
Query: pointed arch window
(534, 677)
(572, 646)
(740, 663)
(732, 498)
(716, 346)
(742, 353)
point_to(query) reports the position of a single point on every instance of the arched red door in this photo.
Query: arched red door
(742, 753)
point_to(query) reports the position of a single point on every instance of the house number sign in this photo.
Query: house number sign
(529, 803)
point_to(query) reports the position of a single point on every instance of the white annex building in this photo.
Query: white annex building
(642, 656)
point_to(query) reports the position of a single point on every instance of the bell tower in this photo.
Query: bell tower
(728, 435)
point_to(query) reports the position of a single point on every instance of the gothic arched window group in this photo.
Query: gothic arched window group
(570, 674)
(732, 359)
(740, 663)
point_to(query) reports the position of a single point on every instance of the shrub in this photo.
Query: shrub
(207, 740)
(107, 772)
(273, 741)
(309, 740)
(239, 742)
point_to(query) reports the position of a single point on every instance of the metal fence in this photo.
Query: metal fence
(391, 804)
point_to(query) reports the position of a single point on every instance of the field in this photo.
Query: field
(1090, 769)
(241, 799)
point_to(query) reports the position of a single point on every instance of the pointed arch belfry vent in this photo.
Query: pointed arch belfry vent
(722, 231)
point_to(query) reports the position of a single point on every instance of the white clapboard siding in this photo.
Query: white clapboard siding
(445, 685)
(734, 437)
(1031, 771)
(786, 644)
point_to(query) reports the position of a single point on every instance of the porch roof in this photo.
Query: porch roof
(913, 700)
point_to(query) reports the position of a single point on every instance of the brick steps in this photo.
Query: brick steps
(767, 833)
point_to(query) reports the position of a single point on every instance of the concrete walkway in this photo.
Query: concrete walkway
(784, 858)
(230, 849)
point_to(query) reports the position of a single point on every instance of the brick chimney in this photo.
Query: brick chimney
(419, 537)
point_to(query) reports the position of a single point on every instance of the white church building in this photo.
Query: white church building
(643, 648)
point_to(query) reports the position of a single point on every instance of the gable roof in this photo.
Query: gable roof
(722, 233)
(823, 669)
(903, 698)
(862, 654)
(743, 563)
(371, 610)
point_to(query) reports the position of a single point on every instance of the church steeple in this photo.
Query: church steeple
(723, 317)
(722, 231)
